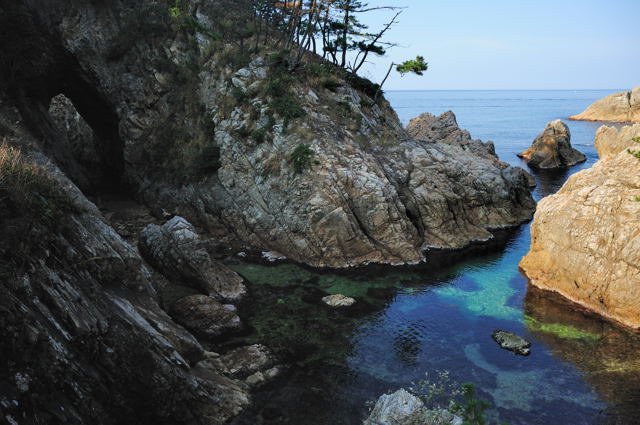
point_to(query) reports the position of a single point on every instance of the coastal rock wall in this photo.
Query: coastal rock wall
(190, 125)
(621, 107)
(586, 238)
(84, 338)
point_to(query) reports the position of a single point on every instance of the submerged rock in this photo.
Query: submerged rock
(205, 316)
(585, 242)
(552, 148)
(338, 300)
(623, 106)
(512, 342)
(176, 250)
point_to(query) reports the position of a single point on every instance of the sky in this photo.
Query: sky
(515, 44)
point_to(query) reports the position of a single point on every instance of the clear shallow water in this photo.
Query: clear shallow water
(411, 321)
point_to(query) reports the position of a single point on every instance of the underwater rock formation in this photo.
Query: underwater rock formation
(621, 107)
(552, 148)
(512, 342)
(586, 238)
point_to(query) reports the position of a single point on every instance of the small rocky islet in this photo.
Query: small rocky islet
(102, 327)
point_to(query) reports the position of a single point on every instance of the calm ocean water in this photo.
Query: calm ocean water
(415, 321)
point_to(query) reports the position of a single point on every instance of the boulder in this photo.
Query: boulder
(404, 408)
(204, 316)
(338, 300)
(512, 342)
(392, 409)
(585, 239)
(611, 141)
(552, 148)
(175, 249)
(623, 106)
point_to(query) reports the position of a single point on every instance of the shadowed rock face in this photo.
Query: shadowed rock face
(552, 148)
(586, 238)
(621, 107)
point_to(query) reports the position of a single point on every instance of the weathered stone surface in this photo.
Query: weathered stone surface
(621, 107)
(404, 408)
(586, 238)
(338, 300)
(552, 148)
(204, 316)
(176, 250)
(610, 141)
(512, 342)
(84, 339)
(392, 409)
(384, 204)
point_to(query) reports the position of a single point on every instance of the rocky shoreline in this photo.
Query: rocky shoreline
(585, 237)
(623, 107)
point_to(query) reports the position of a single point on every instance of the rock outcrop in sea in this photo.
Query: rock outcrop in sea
(404, 408)
(586, 238)
(620, 107)
(552, 148)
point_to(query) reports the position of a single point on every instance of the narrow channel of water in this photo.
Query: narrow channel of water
(412, 321)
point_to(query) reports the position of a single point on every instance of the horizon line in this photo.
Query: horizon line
(617, 89)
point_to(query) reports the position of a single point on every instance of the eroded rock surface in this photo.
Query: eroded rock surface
(204, 316)
(621, 107)
(404, 408)
(611, 141)
(84, 339)
(586, 238)
(552, 148)
(176, 250)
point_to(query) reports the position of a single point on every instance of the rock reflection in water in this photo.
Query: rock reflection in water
(607, 355)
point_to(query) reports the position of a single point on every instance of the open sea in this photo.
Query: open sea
(417, 324)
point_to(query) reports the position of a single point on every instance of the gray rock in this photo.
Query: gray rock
(512, 342)
(404, 408)
(176, 250)
(204, 316)
(338, 300)
(394, 409)
(552, 148)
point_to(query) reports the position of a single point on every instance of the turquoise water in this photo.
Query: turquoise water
(412, 321)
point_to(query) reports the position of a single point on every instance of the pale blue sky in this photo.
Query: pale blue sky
(515, 44)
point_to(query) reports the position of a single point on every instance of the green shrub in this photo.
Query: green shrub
(301, 158)
(364, 85)
(633, 151)
(259, 135)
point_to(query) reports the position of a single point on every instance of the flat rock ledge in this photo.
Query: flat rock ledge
(512, 342)
(552, 148)
(623, 106)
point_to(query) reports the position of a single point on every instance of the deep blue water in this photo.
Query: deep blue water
(414, 321)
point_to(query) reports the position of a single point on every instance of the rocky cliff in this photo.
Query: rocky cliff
(586, 238)
(621, 107)
(210, 133)
(127, 98)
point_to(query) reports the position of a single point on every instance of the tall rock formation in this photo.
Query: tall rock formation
(552, 148)
(586, 238)
(623, 106)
